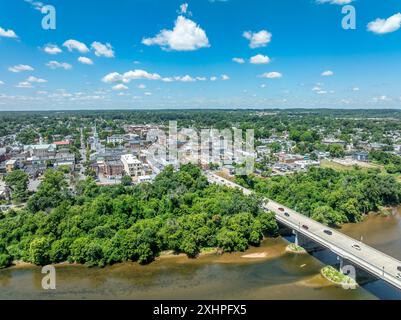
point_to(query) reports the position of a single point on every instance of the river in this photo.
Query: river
(279, 275)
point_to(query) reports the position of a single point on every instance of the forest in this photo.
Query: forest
(329, 196)
(99, 226)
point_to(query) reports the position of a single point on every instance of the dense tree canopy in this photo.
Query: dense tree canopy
(330, 196)
(180, 211)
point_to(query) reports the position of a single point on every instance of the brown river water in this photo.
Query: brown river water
(278, 275)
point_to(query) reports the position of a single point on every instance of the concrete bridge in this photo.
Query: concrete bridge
(346, 248)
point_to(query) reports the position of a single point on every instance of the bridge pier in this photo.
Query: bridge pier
(341, 260)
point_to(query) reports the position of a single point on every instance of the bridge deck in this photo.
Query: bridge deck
(374, 261)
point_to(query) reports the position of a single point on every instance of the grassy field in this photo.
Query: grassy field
(341, 167)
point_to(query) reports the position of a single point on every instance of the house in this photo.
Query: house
(330, 141)
(115, 139)
(11, 165)
(113, 168)
(376, 146)
(147, 178)
(361, 156)
(132, 166)
(41, 150)
(62, 144)
(3, 154)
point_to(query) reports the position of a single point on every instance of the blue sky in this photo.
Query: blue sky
(179, 54)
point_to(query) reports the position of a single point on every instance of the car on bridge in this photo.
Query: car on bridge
(357, 247)
(328, 232)
(281, 209)
(286, 214)
(305, 227)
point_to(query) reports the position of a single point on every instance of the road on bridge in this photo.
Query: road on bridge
(366, 257)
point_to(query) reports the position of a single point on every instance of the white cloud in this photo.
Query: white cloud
(186, 78)
(327, 73)
(167, 79)
(225, 77)
(52, 49)
(37, 80)
(148, 93)
(76, 45)
(316, 88)
(260, 59)
(85, 60)
(25, 85)
(184, 8)
(355, 89)
(139, 74)
(20, 68)
(112, 77)
(37, 5)
(1, 82)
(8, 33)
(339, 2)
(130, 75)
(56, 65)
(186, 36)
(239, 60)
(119, 87)
(382, 98)
(103, 50)
(258, 39)
(383, 26)
(271, 75)
(321, 92)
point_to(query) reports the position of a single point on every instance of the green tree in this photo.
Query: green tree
(17, 181)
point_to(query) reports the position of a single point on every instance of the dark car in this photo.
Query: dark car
(281, 209)
(357, 247)
(305, 227)
(328, 232)
(399, 268)
(286, 214)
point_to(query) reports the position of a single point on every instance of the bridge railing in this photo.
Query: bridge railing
(368, 266)
(376, 270)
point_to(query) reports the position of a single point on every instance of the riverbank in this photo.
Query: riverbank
(270, 248)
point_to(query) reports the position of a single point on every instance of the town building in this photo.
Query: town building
(132, 166)
(113, 168)
(115, 139)
(361, 156)
(11, 165)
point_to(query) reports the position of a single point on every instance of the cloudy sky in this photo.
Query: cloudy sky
(199, 54)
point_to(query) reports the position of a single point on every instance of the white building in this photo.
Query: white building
(115, 139)
(132, 166)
